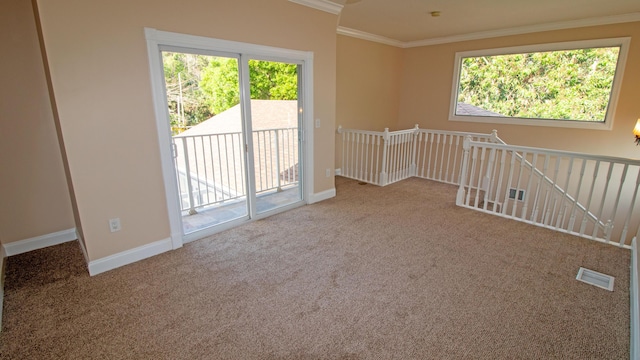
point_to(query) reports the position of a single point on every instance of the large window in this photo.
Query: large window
(572, 84)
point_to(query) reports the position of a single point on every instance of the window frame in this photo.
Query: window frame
(622, 42)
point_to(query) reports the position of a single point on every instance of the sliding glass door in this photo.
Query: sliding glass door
(235, 135)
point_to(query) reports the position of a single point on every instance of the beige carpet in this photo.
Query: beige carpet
(397, 272)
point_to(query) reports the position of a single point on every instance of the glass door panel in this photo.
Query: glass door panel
(203, 102)
(275, 119)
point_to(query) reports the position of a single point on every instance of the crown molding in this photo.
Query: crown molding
(368, 36)
(604, 20)
(323, 5)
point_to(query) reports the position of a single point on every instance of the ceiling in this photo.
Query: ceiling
(407, 21)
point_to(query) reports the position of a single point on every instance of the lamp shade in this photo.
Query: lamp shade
(636, 130)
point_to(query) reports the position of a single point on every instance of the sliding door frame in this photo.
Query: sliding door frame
(156, 40)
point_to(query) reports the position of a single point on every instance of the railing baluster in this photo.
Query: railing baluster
(435, 158)
(479, 187)
(432, 135)
(512, 165)
(450, 139)
(625, 229)
(377, 177)
(424, 154)
(488, 180)
(496, 201)
(574, 205)
(474, 157)
(466, 146)
(534, 213)
(444, 145)
(550, 194)
(527, 194)
(192, 208)
(455, 158)
(623, 178)
(278, 185)
(583, 225)
(523, 157)
(604, 196)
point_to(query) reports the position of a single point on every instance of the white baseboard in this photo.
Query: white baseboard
(324, 195)
(338, 171)
(128, 257)
(39, 242)
(635, 303)
(2, 257)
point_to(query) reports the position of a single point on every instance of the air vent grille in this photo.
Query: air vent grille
(596, 279)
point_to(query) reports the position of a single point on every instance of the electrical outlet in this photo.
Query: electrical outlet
(327, 172)
(114, 225)
(317, 123)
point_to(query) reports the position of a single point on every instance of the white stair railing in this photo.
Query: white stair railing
(585, 195)
(385, 157)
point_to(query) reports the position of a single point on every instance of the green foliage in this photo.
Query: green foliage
(268, 81)
(187, 103)
(200, 86)
(566, 85)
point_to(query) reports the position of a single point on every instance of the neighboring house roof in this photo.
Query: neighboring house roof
(468, 109)
(265, 114)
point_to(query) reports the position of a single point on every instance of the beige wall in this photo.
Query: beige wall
(427, 82)
(100, 74)
(33, 187)
(367, 86)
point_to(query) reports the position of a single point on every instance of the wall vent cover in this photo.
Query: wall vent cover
(595, 278)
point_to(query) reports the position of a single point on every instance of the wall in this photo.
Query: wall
(100, 74)
(367, 85)
(33, 186)
(427, 81)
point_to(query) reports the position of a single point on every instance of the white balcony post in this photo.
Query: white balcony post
(466, 146)
(279, 187)
(192, 209)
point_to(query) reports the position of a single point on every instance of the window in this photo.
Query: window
(571, 84)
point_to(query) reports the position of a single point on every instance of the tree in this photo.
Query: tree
(200, 86)
(268, 81)
(569, 85)
(186, 101)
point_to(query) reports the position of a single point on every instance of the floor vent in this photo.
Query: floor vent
(595, 278)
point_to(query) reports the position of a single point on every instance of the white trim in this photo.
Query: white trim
(308, 129)
(2, 257)
(324, 195)
(322, 5)
(164, 135)
(635, 302)
(520, 30)
(623, 42)
(39, 242)
(370, 37)
(130, 256)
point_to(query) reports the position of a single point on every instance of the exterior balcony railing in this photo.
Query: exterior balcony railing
(211, 168)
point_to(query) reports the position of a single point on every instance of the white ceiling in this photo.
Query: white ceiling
(409, 21)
